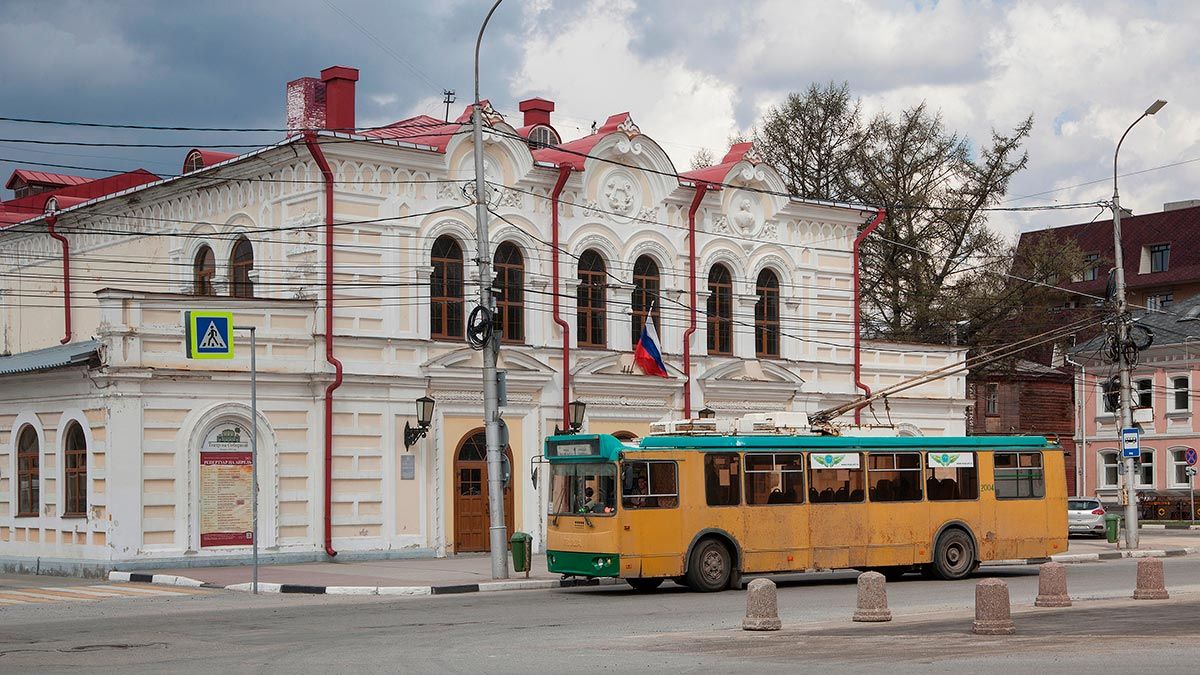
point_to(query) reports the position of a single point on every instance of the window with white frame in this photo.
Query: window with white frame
(1145, 393)
(1145, 469)
(1179, 465)
(1107, 476)
(1181, 394)
(1091, 266)
(1110, 395)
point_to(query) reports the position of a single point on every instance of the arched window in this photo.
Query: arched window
(720, 310)
(75, 471)
(204, 270)
(241, 261)
(766, 315)
(28, 480)
(510, 287)
(194, 162)
(446, 290)
(646, 284)
(590, 296)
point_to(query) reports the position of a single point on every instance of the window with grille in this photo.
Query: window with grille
(542, 136)
(591, 309)
(75, 472)
(446, 290)
(720, 311)
(28, 474)
(204, 271)
(510, 287)
(766, 315)
(646, 282)
(241, 262)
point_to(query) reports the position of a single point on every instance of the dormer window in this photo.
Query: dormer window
(542, 137)
(1160, 257)
(194, 162)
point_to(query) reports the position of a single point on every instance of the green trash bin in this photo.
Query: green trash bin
(1112, 524)
(522, 553)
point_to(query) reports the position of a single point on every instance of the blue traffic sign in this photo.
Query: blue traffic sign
(1131, 442)
(1190, 456)
(209, 335)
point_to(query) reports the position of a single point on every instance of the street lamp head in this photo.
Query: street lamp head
(576, 409)
(1155, 107)
(425, 410)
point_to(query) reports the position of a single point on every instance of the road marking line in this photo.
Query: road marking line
(25, 597)
(43, 592)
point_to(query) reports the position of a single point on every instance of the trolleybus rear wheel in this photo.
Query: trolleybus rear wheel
(644, 585)
(954, 555)
(709, 567)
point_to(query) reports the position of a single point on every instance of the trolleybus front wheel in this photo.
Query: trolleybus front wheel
(954, 555)
(709, 567)
(644, 585)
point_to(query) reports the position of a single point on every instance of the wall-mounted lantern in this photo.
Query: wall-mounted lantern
(576, 410)
(424, 418)
(707, 413)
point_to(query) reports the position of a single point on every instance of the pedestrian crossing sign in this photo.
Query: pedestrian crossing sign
(208, 335)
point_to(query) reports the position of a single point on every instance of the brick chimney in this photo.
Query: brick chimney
(537, 111)
(325, 103)
(339, 97)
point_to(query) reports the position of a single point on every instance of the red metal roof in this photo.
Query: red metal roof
(207, 157)
(30, 176)
(1180, 228)
(24, 208)
(715, 174)
(573, 153)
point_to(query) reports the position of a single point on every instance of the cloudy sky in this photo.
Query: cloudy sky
(691, 73)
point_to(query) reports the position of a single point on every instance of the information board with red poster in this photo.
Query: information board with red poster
(226, 469)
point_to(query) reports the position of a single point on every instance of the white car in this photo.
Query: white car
(1085, 515)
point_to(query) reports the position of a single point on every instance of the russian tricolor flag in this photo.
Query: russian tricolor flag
(647, 354)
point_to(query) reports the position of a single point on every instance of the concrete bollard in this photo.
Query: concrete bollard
(1150, 581)
(762, 606)
(1052, 586)
(872, 598)
(992, 614)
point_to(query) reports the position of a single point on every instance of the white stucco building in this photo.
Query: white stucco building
(101, 438)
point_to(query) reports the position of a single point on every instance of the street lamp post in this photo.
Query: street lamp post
(497, 532)
(1127, 489)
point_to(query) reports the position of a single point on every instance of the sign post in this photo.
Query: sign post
(209, 335)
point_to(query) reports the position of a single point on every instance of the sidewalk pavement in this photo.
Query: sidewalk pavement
(470, 573)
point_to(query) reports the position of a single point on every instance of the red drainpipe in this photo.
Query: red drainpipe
(687, 334)
(857, 314)
(564, 171)
(310, 139)
(51, 221)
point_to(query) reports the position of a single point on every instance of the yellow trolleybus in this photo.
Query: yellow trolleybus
(704, 508)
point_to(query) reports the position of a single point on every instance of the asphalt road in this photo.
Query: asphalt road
(613, 629)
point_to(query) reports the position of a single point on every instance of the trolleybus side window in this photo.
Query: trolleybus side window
(721, 480)
(583, 488)
(951, 476)
(774, 478)
(647, 485)
(894, 476)
(835, 477)
(1019, 475)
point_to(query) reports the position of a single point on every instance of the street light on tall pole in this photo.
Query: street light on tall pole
(497, 533)
(1127, 489)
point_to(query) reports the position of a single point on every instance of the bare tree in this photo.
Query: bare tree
(702, 159)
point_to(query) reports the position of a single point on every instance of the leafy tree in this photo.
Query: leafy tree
(930, 268)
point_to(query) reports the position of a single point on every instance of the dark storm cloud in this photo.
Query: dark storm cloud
(224, 64)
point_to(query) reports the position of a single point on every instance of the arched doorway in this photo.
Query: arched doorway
(471, 515)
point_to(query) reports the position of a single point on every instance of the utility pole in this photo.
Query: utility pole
(447, 98)
(497, 533)
(1128, 491)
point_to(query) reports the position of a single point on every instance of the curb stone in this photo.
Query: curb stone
(541, 584)
(268, 587)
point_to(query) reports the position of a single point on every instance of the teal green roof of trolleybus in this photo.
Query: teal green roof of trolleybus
(610, 446)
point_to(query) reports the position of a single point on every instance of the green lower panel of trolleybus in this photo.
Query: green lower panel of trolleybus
(583, 564)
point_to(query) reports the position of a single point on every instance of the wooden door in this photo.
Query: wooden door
(471, 514)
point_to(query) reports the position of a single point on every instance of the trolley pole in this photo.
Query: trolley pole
(498, 532)
(1128, 491)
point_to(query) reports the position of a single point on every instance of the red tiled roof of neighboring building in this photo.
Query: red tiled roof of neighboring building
(1180, 228)
(45, 178)
(715, 174)
(24, 208)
